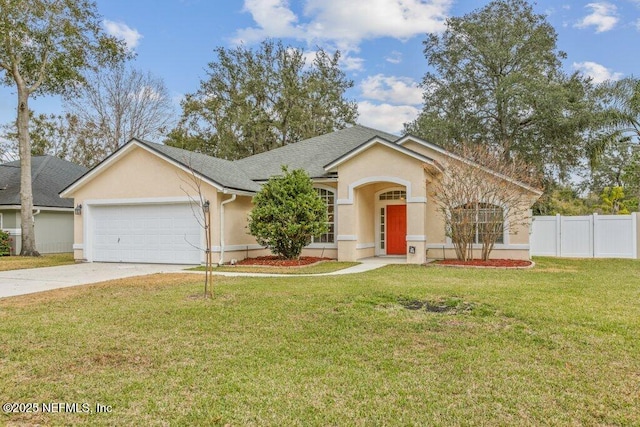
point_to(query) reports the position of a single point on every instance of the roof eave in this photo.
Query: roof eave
(441, 150)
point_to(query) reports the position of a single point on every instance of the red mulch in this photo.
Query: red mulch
(274, 261)
(502, 263)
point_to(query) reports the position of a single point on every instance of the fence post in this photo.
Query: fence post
(594, 235)
(558, 235)
(635, 233)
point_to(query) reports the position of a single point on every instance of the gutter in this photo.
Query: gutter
(233, 197)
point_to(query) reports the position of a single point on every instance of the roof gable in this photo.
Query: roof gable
(310, 154)
(219, 173)
(371, 143)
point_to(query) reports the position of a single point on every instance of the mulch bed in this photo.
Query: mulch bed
(495, 263)
(274, 261)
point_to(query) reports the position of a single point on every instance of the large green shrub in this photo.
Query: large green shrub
(287, 212)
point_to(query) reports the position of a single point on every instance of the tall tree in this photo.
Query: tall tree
(60, 135)
(257, 100)
(120, 103)
(618, 118)
(497, 80)
(44, 46)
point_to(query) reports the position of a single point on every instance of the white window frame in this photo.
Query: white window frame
(505, 232)
(334, 244)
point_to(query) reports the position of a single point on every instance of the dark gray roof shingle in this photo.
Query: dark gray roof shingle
(224, 172)
(311, 154)
(49, 175)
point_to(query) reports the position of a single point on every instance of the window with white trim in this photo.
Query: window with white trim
(393, 195)
(329, 199)
(486, 219)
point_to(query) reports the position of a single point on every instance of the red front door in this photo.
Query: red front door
(396, 230)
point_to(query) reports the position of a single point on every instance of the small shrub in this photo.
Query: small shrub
(5, 243)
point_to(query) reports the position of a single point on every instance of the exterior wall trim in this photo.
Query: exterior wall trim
(416, 238)
(373, 179)
(229, 248)
(347, 238)
(140, 201)
(520, 246)
(365, 245)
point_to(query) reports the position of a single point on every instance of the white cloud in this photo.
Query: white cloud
(599, 73)
(386, 117)
(394, 58)
(392, 89)
(120, 30)
(344, 23)
(603, 16)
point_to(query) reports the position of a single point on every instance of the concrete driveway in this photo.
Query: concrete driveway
(21, 282)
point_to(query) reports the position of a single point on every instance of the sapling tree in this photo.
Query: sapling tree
(287, 213)
(201, 208)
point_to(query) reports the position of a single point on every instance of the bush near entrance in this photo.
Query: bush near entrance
(287, 213)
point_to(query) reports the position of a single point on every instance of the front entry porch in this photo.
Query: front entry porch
(382, 221)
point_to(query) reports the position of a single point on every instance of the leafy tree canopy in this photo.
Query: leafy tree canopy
(257, 100)
(287, 213)
(44, 47)
(46, 44)
(497, 80)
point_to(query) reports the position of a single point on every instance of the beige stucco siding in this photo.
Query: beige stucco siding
(360, 178)
(136, 177)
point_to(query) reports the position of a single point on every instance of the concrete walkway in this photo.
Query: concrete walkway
(366, 264)
(27, 281)
(21, 282)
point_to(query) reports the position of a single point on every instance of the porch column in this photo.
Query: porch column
(416, 232)
(346, 238)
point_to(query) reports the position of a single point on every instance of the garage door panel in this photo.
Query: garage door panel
(166, 233)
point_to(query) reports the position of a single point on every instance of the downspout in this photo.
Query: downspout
(233, 197)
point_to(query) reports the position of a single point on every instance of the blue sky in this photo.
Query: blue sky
(381, 42)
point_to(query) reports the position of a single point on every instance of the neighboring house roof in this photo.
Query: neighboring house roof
(311, 154)
(49, 175)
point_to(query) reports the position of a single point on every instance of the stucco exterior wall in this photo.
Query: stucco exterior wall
(516, 243)
(136, 177)
(360, 177)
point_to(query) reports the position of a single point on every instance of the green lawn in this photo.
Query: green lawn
(19, 262)
(555, 345)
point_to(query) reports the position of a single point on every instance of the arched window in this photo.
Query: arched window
(483, 219)
(329, 199)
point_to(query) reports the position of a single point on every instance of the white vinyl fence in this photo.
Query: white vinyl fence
(592, 236)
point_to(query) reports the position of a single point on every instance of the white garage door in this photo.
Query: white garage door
(167, 233)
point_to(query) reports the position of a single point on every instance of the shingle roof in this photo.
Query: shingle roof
(311, 154)
(241, 175)
(49, 175)
(224, 172)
